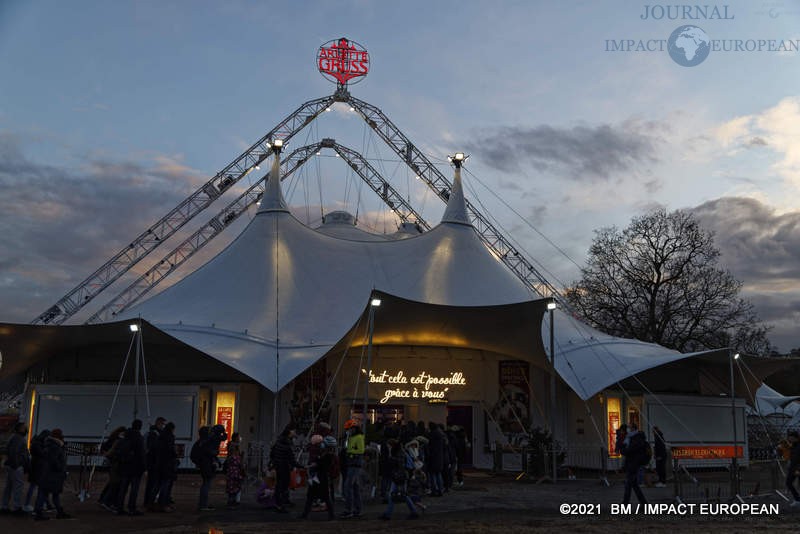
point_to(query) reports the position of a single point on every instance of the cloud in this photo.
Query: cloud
(777, 127)
(62, 224)
(581, 153)
(761, 247)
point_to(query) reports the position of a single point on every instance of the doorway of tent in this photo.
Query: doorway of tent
(462, 416)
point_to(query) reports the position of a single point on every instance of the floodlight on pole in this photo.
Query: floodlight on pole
(458, 159)
(375, 302)
(276, 145)
(134, 327)
(552, 305)
(736, 356)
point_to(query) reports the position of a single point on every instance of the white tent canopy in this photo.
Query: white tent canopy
(282, 295)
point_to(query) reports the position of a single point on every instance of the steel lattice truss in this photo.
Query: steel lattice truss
(143, 245)
(200, 238)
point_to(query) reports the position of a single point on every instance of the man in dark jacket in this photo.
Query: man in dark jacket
(151, 446)
(204, 455)
(167, 466)
(130, 451)
(282, 459)
(660, 453)
(53, 475)
(793, 469)
(435, 460)
(18, 462)
(634, 449)
(37, 464)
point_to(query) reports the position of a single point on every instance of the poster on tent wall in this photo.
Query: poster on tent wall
(308, 398)
(511, 415)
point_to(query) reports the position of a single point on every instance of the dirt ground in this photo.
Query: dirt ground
(486, 503)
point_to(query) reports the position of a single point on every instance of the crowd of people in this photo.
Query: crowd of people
(413, 461)
(45, 465)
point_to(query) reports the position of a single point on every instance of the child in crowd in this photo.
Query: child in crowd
(314, 451)
(416, 488)
(234, 473)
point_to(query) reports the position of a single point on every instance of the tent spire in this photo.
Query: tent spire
(273, 196)
(456, 211)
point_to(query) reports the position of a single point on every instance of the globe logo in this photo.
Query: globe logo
(688, 46)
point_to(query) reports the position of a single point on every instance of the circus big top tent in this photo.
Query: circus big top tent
(283, 326)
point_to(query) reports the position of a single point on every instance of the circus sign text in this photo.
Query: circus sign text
(343, 61)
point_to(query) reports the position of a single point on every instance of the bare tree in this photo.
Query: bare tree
(658, 281)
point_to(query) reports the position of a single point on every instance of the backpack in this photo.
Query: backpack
(647, 453)
(196, 454)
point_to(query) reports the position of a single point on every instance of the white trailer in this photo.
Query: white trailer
(81, 412)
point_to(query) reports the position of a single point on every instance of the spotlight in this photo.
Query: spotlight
(134, 327)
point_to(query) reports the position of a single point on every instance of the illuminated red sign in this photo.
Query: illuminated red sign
(342, 61)
(707, 452)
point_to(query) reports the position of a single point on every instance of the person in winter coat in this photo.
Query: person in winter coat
(37, 464)
(793, 469)
(660, 453)
(634, 449)
(352, 466)
(54, 473)
(130, 451)
(435, 460)
(399, 476)
(108, 497)
(204, 456)
(282, 460)
(18, 462)
(461, 453)
(234, 474)
(449, 458)
(167, 467)
(322, 466)
(151, 462)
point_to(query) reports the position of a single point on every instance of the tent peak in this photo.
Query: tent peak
(456, 211)
(273, 200)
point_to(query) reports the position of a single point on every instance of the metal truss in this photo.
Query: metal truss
(143, 245)
(191, 245)
(421, 165)
(140, 247)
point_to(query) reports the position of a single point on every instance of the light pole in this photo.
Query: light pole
(734, 461)
(551, 306)
(373, 303)
(135, 329)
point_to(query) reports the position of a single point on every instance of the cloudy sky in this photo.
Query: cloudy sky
(112, 112)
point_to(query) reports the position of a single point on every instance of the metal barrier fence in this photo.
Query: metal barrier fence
(759, 479)
(572, 463)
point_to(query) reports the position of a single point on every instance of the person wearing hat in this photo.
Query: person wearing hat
(282, 459)
(793, 470)
(354, 460)
(53, 474)
(322, 467)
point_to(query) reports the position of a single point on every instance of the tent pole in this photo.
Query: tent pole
(553, 397)
(734, 462)
(371, 324)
